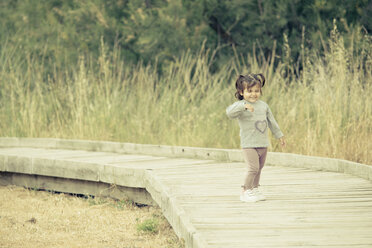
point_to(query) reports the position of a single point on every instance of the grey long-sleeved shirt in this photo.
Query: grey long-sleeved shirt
(253, 125)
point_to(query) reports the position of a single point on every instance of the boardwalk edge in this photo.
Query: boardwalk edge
(229, 155)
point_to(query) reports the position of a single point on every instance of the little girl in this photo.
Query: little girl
(254, 117)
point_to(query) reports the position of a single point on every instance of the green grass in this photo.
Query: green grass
(150, 226)
(325, 111)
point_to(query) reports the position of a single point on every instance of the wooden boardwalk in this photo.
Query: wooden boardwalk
(304, 208)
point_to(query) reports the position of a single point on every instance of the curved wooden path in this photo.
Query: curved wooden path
(200, 198)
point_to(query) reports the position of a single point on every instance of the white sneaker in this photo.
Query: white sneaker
(259, 195)
(248, 196)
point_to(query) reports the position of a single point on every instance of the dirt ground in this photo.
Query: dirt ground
(30, 218)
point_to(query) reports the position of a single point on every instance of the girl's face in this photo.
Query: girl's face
(252, 94)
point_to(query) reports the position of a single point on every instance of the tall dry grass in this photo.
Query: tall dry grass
(326, 111)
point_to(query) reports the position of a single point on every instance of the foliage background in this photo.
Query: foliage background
(159, 31)
(163, 72)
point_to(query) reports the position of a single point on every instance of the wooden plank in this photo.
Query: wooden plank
(304, 208)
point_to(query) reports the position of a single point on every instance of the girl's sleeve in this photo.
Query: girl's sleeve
(273, 125)
(235, 109)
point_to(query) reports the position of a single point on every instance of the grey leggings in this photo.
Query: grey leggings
(255, 159)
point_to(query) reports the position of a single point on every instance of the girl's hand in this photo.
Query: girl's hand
(282, 141)
(249, 107)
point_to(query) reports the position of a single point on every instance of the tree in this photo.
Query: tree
(157, 31)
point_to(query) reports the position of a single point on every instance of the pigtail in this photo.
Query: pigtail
(238, 85)
(262, 80)
(238, 96)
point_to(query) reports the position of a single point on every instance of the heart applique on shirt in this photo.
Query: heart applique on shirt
(261, 126)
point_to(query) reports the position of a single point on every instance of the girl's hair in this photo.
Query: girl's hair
(247, 81)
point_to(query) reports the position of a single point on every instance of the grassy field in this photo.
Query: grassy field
(324, 111)
(39, 219)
